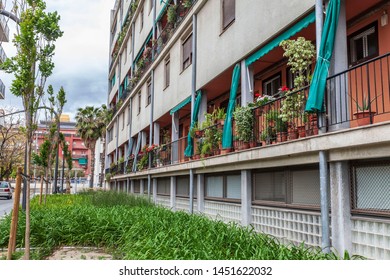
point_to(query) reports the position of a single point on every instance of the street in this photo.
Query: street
(5, 206)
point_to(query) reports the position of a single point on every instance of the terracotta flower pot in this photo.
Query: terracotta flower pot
(364, 117)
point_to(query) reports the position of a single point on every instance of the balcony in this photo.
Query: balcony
(3, 56)
(4, 29)
(282, 119)
(154, 47)
(2, 90)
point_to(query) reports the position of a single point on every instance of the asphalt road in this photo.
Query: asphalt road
(6, 206)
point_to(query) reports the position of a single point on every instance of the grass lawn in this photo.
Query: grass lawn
(130, 227)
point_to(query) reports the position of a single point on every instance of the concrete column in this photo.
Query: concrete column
(247, 83)
(156, 134)
(142, 187)
(338, 99)
(246, 197)
(202, 108)
(175, 136)
(200, 193)
(154, 190)
(131, 186)
(173, 193)
(143, 139)
(340, 206)
(127, 185)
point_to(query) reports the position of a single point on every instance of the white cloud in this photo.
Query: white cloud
(81, 59)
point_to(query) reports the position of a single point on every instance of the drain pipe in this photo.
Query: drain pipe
(193, 91)
(323, 155)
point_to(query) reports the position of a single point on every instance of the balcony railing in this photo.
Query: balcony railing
(152, 52)
(365, 87)
(359, 94)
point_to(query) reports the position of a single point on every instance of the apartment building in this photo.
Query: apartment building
(80, 154)
(4, 37)
(323, 179)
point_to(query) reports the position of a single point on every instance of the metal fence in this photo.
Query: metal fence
(371, 187)
(359, 95)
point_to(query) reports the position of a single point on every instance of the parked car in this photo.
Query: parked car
(6, 190)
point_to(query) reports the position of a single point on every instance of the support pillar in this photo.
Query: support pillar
(156, 134)
(142, 187)
(154, 190)
(200, 193)
(131, 186)
(202, 108)
(338, 100)
(247, 84)
(246, 197)
(173, 193)
(175, 137)
(340, 206)
(127, 185)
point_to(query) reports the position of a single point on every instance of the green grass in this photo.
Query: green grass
(132, 228)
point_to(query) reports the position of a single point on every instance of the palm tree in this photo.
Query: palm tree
(105, 117)
(90, 128)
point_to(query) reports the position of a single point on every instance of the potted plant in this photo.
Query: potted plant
(220, 115)
(187, 4)
(300, 54)
(243, 117)
(364, 113)
(172, 14)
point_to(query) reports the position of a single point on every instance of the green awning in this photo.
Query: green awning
(315, 100)
(284, 36)
(143, 47)
(227, 134)
(180, 105)
(166, 4)
(189, 151)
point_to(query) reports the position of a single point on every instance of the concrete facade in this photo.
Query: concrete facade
(274, 187)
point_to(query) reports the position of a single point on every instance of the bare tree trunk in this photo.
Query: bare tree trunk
(15, 214)
(102, 164)
(27, 171)
(92, 167)
(92, 147)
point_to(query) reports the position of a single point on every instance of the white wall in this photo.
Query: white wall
(255, 22)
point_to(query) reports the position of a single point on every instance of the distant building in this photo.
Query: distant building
(80, 154)
(4, 37)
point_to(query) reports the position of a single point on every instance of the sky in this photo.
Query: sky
(81, 57)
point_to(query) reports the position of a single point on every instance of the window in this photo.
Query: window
(163, 186)
(291, 76)
(139, 103)
(113, 80)
(223, 186)
(110, 135)
(363, 44)
(137, 186)
(167, 72)
(289, 186)
(141, 19)
(371, 187)
(187, 52)
(149, 91)
(183, 186)
(228, 13)
(271, 85)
